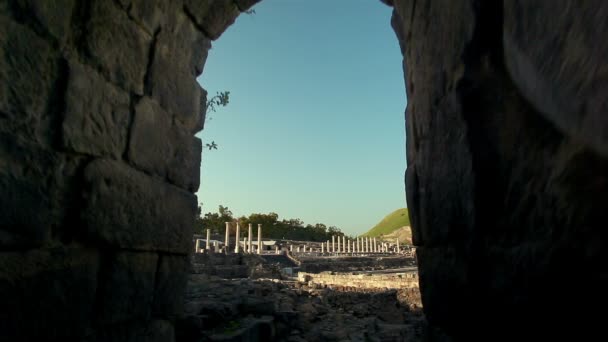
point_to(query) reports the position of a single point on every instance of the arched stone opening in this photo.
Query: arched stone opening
(506, 179)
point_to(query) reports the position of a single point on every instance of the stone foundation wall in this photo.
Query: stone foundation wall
(317, 265)
(361, 281)
(99, 105)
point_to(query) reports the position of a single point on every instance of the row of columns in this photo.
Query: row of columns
(247, 241)
(342, 245)
(248, 246)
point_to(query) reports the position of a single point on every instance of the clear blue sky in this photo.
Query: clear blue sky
(315, 126)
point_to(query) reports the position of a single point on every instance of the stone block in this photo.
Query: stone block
(27, 75)
(107, 23)
(160, 146)
(172, 75)
(97, 114)
(36, 180)
(190, 51)
(127, 287)
(171, 279)
(213, 16)
(47, 294)
(128, 209)
(54, 16)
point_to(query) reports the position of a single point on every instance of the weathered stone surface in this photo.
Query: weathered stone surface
(47, 294)
(213, 16)
(148, 14)
(54, 16)
(171, 279)
(491, 181)
(171, 80)
(560, 66)
(106, 24)
(427, 182)
(27, 75)
(127, 289)
(160, 146)
(128, 209)
(96, 115)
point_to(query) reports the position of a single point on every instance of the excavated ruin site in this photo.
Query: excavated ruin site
(506, 182)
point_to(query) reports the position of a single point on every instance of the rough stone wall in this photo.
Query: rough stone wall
(361, 281)
(99, 105)
(507, 128)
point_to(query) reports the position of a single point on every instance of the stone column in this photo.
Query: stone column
(327, 246)
(322, 248)
(398, 249)
(207, 243)
(197, 246)
(249, 239)
(343, 244)
(236, 240)
(227, 239)
(339, 245)
(276, 249)
(291, 248)
(333, 243)
(259, 238)
(349, 243)
(358, 248)
(367, 244)
(375, 250)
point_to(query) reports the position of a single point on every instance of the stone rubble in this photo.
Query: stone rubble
(218, 309)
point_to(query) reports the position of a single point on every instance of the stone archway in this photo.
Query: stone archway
(98, 110)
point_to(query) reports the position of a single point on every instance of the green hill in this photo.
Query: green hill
(390, 223)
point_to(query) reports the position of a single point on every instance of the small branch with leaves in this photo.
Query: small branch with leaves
(220, 99)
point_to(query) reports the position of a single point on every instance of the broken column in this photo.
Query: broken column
(398, 251)
(197, 247)
(322, 248)
(259, 238)
(236, 240)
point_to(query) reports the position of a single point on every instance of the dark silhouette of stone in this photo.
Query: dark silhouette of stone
(506, 175)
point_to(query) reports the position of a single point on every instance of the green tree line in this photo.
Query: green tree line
(272, 226)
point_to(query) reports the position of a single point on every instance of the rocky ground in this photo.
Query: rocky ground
(276, 310)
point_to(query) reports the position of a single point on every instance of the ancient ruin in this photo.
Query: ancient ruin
(506, 181)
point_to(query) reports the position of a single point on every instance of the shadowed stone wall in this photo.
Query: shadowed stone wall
(99, 105)
(507, 179)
